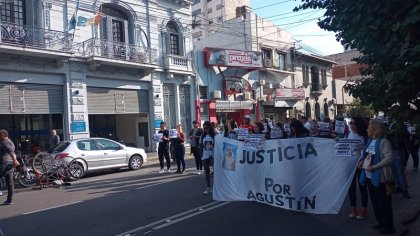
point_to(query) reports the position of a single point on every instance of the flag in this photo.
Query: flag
(73, 19)
(94, 20)
(82, 21)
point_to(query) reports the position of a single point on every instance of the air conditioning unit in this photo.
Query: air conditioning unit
(217, 94)
(268, 63)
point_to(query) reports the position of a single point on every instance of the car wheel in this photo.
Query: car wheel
(135, 162)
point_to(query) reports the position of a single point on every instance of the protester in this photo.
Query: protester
(305, 122)
(298, 130)
(207, 143)
(230, 129)
(194, 136)
(163, 149)
(179, 149)
(258, 127)
(396, 137)
(54, 139)
(215, 128)
(358, 132)
(8, 162)
(376, 164)
(413, 143)
(247, 124)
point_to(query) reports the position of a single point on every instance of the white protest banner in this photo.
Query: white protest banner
(296, 174)
(241, 133)
(275, 133)
(323, 125)
(157, 137)
(347, 148)
(173, 133)
(340, 126)
(254, 141)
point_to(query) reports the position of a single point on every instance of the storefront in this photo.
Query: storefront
(283, 103)
(119, 114)
(28, 111)
(232, 94)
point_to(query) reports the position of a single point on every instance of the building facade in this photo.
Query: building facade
(110, 73)
(209, 14)
(281, 88)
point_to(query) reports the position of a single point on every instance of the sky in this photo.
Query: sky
(301, 24)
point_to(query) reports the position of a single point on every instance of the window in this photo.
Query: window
(308, 109)
(282, 61)
(86, 145)
(196, 12)
(326, 109)
(203, 92)
(118, 31)
(317, 111)
(13, 11)
(324, 78)
(316, 85)
(107, 145)
(266, 53)
(173, 38)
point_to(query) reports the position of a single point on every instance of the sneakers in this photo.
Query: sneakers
(168, 170)
(362, 214)
(178, 172)
(198, 172)
(353, 213)
(7, 203)
(207, 191)
(161, 171)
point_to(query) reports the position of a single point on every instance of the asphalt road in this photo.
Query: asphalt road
(146, 203)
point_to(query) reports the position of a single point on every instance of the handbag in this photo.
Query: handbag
(389, 178)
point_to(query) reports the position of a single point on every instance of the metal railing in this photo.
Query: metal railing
(22, 35)
(113, 50)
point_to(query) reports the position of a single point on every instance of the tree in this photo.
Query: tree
(356, 108)
(387, 34)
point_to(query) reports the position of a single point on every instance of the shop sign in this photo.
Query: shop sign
(157, 123)
(234, 105)
(233, 58)
(77, 127)
(290, 94)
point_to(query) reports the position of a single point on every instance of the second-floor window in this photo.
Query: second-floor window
(118, 31)
(282, 61)
(173, 38)
(266, 53)
(13, 11)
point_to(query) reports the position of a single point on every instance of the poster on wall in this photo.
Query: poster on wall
(233, 58)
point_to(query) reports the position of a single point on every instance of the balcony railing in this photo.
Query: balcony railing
(25, 36)
(117, 51)
(175, 62)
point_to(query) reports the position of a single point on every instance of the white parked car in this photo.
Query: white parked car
(100, 153)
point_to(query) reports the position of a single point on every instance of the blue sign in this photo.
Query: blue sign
(157, 123)
(77, 127)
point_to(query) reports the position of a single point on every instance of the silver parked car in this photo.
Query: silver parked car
(100, 154)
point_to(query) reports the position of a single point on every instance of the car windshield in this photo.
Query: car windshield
(61, 147)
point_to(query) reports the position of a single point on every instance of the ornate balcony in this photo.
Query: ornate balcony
(25, 40)
(107, 52)
(175, 63)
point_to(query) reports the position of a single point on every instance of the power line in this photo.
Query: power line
(272, 4)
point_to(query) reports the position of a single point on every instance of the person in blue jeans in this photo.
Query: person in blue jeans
(180, 149)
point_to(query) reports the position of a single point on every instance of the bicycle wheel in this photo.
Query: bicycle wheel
(27, 179)
(75, 170)
(42, 163)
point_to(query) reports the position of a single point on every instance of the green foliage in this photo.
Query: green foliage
(387, 33)
(356, 108)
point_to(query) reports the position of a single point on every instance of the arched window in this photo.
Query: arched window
(308, 110)
(174, 38)
(326, 109)
(315, 82)
(115, 24)
(317, 110)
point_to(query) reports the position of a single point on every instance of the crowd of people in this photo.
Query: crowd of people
(384, 153)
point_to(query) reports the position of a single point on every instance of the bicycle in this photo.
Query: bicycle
(25, 176)
(49, 168)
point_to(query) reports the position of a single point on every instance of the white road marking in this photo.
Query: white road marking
(164, 221)
(49, 208)
(151, 185)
